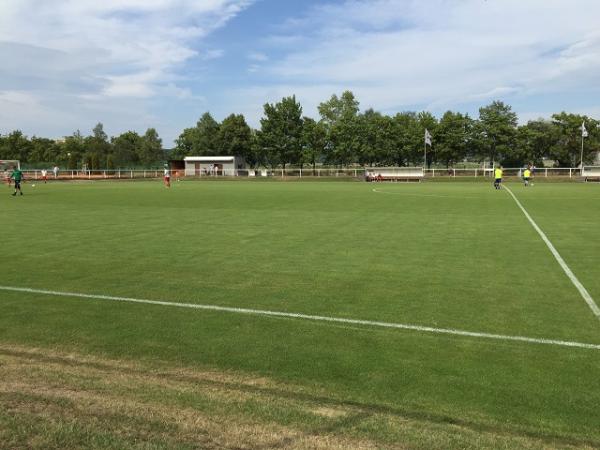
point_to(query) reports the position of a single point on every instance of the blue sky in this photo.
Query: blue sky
(133, 64)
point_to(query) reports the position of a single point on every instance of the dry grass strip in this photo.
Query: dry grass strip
(168, 407)
(113, 395)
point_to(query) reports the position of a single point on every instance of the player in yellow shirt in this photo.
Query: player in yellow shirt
(526, 176)
(498, 177)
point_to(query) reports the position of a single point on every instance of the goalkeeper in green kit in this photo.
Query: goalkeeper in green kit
(17, 175)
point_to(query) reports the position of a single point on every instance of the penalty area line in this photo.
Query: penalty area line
(258, 312)
(580, 287)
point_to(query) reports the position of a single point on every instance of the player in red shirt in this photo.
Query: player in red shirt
(167, 178)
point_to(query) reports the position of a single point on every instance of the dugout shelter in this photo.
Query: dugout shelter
(213, 165)
(591, 173)
(394, 174)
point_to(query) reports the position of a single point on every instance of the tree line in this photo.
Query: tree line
(95, 151)
(341, 136)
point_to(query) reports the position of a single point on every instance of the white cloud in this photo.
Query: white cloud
(212, 54)
(15, 106)
(258, 59)
(82, 55)
(127, 36)
(253, 68)
(16, 99)
(68, 64)
(257, 56)
(395, 54)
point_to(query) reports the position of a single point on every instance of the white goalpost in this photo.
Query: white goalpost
(7, 164)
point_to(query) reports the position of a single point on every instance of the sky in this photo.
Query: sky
(66, 65)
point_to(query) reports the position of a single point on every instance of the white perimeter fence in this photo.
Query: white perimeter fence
(358, 172)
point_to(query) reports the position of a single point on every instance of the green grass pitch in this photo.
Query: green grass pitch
(445, 255)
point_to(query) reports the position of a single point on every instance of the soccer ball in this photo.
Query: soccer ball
(33, 185)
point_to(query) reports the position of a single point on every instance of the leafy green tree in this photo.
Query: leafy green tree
(376, 136)
(567, 147)
(340, 116)
(256, 154)
(110, 162)
(72, 150)
(16, 146)
(201, 140)
(99, 133)
(495, 131)
(367, 131)
(314, 141)
(94, 161)
(337, 108)
(235, 137)
(150, 150)
(43, 150)
(185, 144)
(407, 140)
(452, 137)
(126, 148)
(280, 136)
(534, 142)
(208, 135)
(97, 147)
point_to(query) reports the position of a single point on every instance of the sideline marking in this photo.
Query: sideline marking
(258, 312)
(582, 290)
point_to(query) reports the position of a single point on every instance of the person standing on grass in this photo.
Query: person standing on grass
(498, 177)
(167, 177)
(55, 170)
(526, 176)
(17, 175)
(44, 176)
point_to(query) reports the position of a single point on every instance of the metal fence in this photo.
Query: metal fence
(566, 172)
(350, 172)
(94, 174)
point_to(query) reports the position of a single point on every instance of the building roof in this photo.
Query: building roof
(209, 159)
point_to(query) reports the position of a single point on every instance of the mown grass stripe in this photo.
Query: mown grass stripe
(448, 331)
(580, 287)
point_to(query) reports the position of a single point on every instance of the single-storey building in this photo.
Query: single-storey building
(213, 165)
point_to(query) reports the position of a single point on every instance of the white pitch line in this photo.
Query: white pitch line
(582, 290)
(259, 312)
